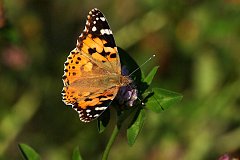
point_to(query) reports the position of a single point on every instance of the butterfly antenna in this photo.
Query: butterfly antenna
(142, 103)
(142, 65)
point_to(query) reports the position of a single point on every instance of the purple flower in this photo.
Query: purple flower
(224, 157)
(127, 94)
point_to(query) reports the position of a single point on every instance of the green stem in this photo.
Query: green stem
(111, 141)
(120, 119)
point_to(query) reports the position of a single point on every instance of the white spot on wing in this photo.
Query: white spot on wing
(94, 29)
(78, 44)
(102, 18)
(87, 23)
(96, 115)
(100, 108)
(85, 29)
(106, 31)
(84, 120)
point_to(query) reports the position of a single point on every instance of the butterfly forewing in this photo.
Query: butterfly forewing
(97, 42)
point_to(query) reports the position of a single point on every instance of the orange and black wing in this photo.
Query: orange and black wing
(95, 56)
(97, 42)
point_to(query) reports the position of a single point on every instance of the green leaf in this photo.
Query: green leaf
(28, 153)
(76, 154)
(136, 126)
(162, 98)
(148, 79)
(103, 120)
(130, 64)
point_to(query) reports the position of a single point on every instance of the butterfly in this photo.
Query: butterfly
(92, 73)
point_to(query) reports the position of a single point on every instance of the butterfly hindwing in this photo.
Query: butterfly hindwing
(94, 105)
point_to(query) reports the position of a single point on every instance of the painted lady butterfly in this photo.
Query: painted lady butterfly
(92, 73)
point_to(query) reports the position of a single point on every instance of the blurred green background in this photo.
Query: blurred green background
(197, 45)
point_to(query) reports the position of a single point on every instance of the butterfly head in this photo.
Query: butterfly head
(125, 80)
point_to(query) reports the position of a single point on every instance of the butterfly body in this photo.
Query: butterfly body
(92, 73)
